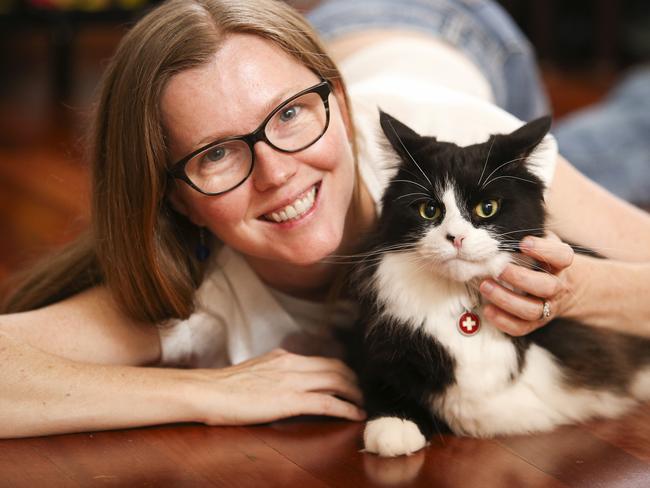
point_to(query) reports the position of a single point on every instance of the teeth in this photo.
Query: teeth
(295, 209)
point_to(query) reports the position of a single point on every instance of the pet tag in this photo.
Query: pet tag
(469, 323)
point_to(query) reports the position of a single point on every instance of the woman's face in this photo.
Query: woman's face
(232, 95)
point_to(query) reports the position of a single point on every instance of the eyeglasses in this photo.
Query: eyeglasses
(223, 165)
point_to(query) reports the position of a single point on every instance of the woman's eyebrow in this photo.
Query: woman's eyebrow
(271, 105)
(282, 97)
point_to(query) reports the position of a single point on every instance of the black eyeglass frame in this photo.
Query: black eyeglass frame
(323, 89)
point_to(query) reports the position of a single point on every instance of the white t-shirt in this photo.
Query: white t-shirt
(237, 316)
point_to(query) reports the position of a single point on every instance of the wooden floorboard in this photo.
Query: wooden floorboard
(317, 452)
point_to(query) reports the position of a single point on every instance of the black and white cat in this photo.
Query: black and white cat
(450, 216)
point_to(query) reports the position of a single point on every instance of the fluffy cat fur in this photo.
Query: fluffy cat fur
(431, 248)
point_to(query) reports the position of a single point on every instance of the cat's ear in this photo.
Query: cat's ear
(398, 134)
(525, 139)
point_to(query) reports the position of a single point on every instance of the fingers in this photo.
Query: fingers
(312, 364)
(324, 404)
(296, 385)
(509, 323)
(323, 374)
(549, 250)
(332, 383)
(321, 379)
(537, 283)
(525, 308)
(518, 313)
(319, 364)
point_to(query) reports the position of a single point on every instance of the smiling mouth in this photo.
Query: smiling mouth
(299, 207)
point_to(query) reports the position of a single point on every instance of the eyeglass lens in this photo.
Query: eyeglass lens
(292, 127)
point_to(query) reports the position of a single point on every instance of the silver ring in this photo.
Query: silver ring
(546, 310)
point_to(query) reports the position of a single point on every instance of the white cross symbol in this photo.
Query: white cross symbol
(469, 323)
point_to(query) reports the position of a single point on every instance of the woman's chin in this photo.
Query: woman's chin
(310, 255)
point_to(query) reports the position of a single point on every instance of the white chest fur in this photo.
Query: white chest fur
(485, 361)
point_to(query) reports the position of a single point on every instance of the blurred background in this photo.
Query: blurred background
(52, 53)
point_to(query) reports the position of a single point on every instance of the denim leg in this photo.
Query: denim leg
(480, 29)
(524, 91)
(610, 142)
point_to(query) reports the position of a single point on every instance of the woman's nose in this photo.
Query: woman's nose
(272, 168)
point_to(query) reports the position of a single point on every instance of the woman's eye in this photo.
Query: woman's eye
(215, 154)
(289, 113)
(429, 210)
(486, 209)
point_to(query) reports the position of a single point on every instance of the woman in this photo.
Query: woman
(186, 83)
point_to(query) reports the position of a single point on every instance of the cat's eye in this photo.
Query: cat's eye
(487, 209)
(429, 210)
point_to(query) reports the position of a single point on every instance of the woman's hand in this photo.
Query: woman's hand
(275, 386)
(519, 313)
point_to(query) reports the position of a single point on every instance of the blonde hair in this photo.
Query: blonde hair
(138, 246)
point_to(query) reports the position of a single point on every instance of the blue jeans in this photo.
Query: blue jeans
(480, 29)
(610, 142)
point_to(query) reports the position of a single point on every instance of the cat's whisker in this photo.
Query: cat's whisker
(539, 269)
(411, 194)
(575, 247)
(366, 256)
(510, 177)
(413, 183)
(499, 167)
(533, 229)
(377, 250)
(542, 246)
(409, 154)
(487, 158)
(379, 253)
(365, 259)
(533, 266)
(508, 247)
(555, 224)
(422, 262)
(412, 174)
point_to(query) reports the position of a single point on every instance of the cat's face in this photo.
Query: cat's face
(462, 210)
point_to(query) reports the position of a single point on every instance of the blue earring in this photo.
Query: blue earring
(202, 249)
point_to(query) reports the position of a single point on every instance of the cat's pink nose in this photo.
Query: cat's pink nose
(457, 241)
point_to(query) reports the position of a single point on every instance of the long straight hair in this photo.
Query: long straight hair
(137, 245)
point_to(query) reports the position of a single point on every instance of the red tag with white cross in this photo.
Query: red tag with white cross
(469, 323)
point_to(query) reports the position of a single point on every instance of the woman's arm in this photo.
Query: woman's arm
(582, 212)
(45, 394)
(610, 294)
(88, 327)
(73, 367)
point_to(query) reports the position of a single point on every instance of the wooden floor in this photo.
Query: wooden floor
(320, 453)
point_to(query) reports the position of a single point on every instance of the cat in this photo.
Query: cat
(451, 216)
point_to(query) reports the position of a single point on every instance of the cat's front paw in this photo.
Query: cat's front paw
(392, 436)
